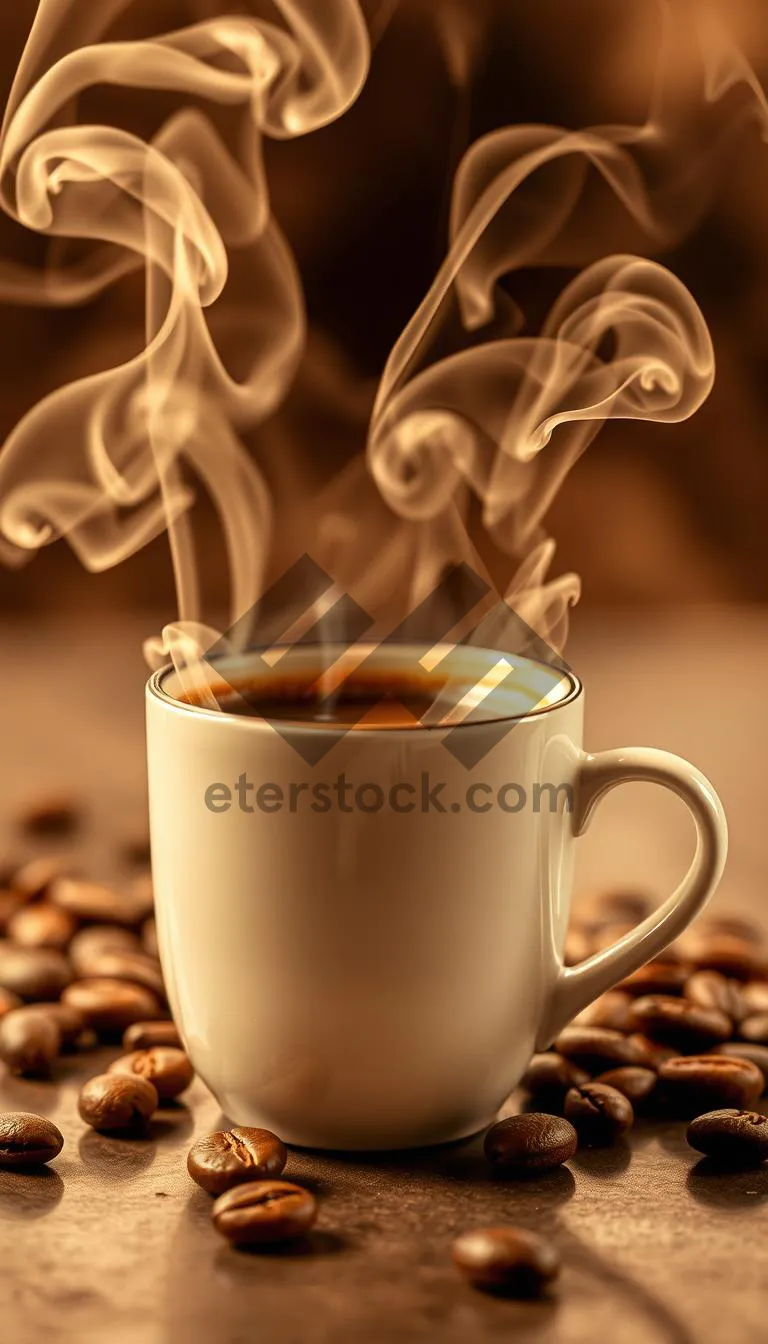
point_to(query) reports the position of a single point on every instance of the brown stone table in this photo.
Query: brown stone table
(113, 1245)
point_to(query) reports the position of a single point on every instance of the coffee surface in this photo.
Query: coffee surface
(370, 698)
(375, 701)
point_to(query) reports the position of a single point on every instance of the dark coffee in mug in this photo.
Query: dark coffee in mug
(368, 697)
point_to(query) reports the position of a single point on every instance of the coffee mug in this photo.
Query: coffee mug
(371, 964)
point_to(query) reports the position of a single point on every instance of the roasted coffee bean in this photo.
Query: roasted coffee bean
(10, 903)
(94, 901)
(234, 1157)
(694, 1084)
(117, 1101)
(137, 967)
(263, 1212)
(653, 1053)
(755, 997)
(755, 1028)
(50, 814)
(166, 1067)
(35, 878)
(8, 1002)
(756, 1054)
(27, 1140)
(597, 1049)
(525, 1145)
(506, 1260)
(735, 926)
(680, 1023)
(734, 1138)
(634, 1083)
(599, 1113)
(710, 989)
(657, 977)
(33, 972)
(148, 1035)
(549, 1076)
(611, 1010)
(731, 956)
(69, 1021)
(42, 925)
(89, 944)
(30, 1042)
(111, 1005)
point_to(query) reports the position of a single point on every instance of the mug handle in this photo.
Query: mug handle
(578, 985)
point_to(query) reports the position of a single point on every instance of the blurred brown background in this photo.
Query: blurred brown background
(651, 514)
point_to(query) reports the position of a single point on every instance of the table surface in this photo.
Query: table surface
(114, 1242)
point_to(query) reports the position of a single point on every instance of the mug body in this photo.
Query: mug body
(359, 952)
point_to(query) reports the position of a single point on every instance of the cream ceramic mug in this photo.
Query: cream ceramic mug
(371, 974)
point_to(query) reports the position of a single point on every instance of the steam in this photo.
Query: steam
(106, 460)
(507, 418)
(474, 411)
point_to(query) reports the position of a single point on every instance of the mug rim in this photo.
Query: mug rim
(155, 688)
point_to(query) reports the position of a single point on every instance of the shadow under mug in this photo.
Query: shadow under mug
(370, 974)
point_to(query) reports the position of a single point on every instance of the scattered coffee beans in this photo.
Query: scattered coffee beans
(111, 1005)
(736, 926)
(30, 1041)
(653, 1052)
(739, 1138)
(69, 1021)
(114, 1101)
(526, 1145)
(657, 977)
(755, 997)
(27, 1140)
(33, 972)
(88, 946)
(8, 1001)
(506, 1260)
(634, 1083)
(731, 955)
(35, 878)
(41, 925)
(610, 1010)
(94, 901)
(135, 966)
(599, 1113)
(235, 1156)
(694, 1084)
(755, 1029)
(264, 1212)
(549, 1076)
(680, 1023)
(710, 989)
(147, 1035)
(167, 1068)
(756, 1054)
(597, 1049)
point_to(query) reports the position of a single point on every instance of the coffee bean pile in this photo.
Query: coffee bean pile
(685, 1037)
